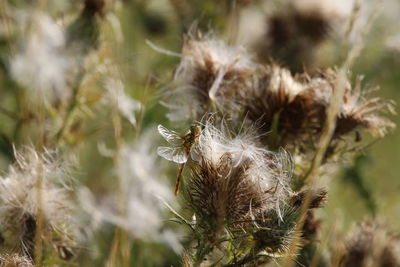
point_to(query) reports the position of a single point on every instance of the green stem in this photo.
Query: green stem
(74, 103)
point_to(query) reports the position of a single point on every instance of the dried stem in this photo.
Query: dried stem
(121, 243)
(327, 132)
(39, 186)
(73, 104)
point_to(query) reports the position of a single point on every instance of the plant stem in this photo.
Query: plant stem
(73, 104)
(326, 136)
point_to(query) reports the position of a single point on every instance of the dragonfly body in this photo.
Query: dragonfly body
(181, 148)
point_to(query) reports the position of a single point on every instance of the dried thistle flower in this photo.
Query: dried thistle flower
(317, 198)
(295, 107)
(357, 112)
(230, 206)
(209, 77)
(14, 260)
(293, 35)
(221, 194)
(311, 225)
(279, 96)
(372, 244)
(266, 169)
(19, 195)
(233, 185)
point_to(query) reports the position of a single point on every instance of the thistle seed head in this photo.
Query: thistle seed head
(235, 180)
(42, 64)
(210, 75)
(293, 35)
(35, 184)
(221, 195)
(15, 260)
(295, 107)
(374, 244)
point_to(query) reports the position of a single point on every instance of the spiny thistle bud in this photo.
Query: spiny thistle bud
(274, 235)
(372, 244)
(209, 77)
(275, 231)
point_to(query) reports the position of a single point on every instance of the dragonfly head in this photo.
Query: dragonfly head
(195, 130)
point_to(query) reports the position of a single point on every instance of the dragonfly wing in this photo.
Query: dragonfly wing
(286, 162)
(172, 154)
(195, 155)
(170, 136)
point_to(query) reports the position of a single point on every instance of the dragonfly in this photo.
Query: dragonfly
(181, 148)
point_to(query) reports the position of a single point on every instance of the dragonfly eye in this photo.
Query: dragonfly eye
(195, 130)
